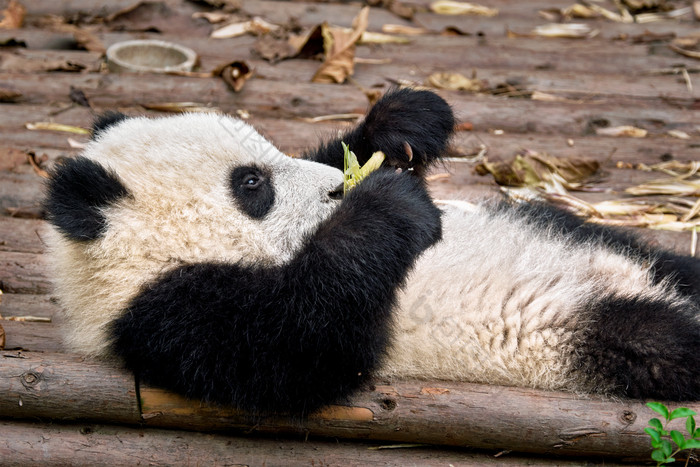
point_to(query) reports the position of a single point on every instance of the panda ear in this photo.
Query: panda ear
(78, 190)
(106, 120)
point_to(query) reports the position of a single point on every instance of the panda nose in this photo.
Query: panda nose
(337, 193)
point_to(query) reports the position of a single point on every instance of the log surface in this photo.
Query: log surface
(62, 386)
(66, 387)
(25, 444)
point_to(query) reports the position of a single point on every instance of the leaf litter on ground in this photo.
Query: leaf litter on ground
(669, 203)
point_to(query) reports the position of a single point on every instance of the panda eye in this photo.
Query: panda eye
(251, 181)
(252, 190)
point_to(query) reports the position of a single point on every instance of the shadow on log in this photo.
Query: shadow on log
(59, 386)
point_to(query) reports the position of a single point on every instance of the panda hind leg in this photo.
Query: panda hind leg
(640, 347)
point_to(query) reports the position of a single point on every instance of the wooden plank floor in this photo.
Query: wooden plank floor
(611, 79)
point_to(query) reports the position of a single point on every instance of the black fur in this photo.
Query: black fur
(682, 271)
(641, 348)
(253, 190)
(105, 121)
(291, 338)
(77, 192)
(420, 118)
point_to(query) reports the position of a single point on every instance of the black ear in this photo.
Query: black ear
(105, 121)
(77, 191)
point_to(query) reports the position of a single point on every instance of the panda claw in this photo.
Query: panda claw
(409, 151)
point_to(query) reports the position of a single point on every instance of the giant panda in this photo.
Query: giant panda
(195, 253)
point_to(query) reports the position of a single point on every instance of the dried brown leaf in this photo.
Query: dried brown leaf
(309, 45)
(576, 10)
(339, 48)
(622, 17)
(235, 74)
(688, 46)
(450, 7)
(214, 17)
(538, 169)
(380, 38)
(624, 130)
(405, 30)
(565, 30)
(435, 391)
(231, 30)
(693, 212)
(455, 82)
(279, 45)
(678, 134)
(333, 117)
(51, 126)
(674, 187)
(546, 97)
(31, 157)
(256, 26)
(12, 16)
(2, 338)
(25, 212)
(29, 319)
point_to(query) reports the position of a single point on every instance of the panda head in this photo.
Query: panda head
(149, 195)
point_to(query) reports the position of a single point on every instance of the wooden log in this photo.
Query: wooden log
(538, 60)
(21, 235)
(24, 273)
(20, 189)
(293, 135)
(455, 414)
(25, 444)
(446, 413)
(288, 100)
(32, 336)
(563, 83)
(37, 336)
(63, 387)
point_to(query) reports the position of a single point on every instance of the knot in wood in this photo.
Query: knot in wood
(30, 379)
(628, 417)
(388, 404)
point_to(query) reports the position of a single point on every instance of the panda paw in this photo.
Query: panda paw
(411, 127)
(402, 207)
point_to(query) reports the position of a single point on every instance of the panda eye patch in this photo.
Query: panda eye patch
(252, 190)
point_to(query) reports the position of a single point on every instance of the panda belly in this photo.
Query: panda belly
(499, 301)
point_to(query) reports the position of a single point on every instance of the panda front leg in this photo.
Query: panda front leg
(291, 338)
(411, 127)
